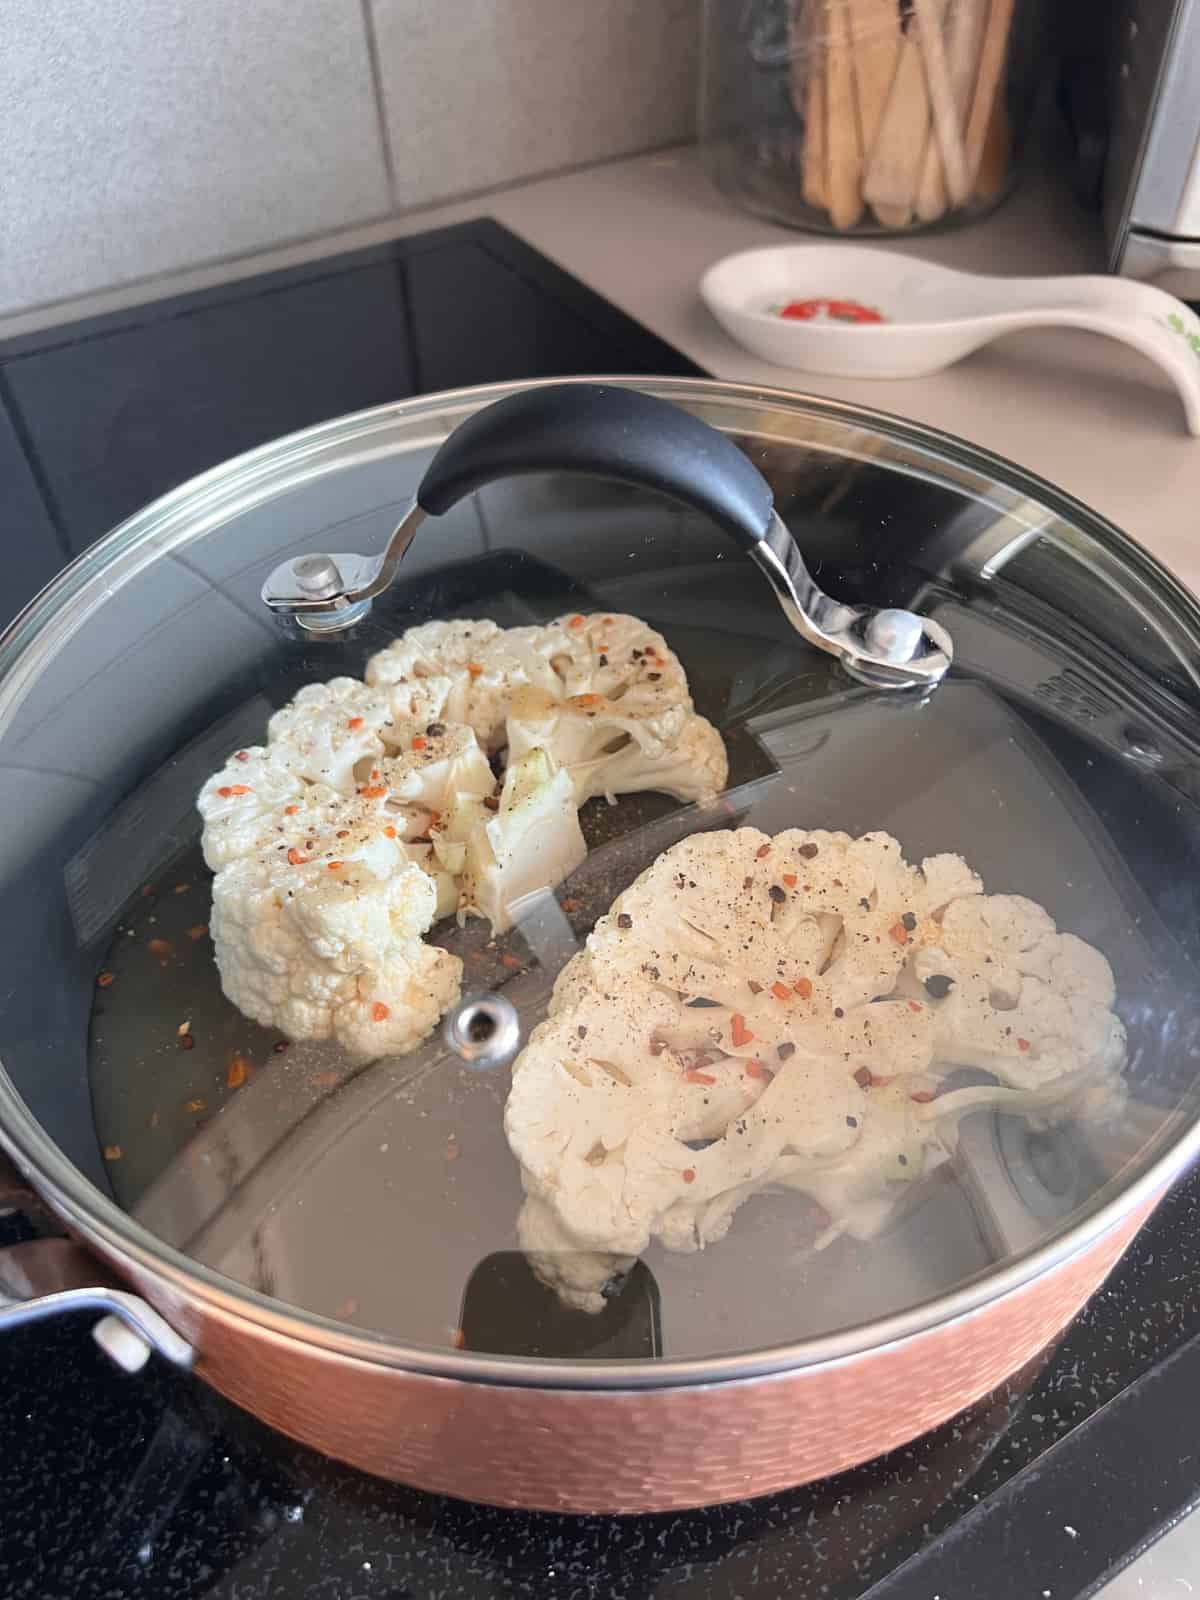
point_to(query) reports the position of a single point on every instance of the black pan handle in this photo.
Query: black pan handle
(613, 433)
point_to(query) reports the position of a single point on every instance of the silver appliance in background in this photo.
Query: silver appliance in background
(1151, 190)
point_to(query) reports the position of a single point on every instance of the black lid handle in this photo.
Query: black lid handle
(608, 432)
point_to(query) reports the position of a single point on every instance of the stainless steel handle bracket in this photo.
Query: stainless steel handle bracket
(888, 649)
(327, 593)
(147, 1329)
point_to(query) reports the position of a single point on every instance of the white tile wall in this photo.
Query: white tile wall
(482, 92)
(138, 139)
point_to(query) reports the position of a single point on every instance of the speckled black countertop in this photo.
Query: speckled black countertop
(153, 1486)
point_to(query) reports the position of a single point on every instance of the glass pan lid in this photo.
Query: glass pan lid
(1057, 759)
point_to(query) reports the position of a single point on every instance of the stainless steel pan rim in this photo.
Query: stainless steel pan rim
(211, 498)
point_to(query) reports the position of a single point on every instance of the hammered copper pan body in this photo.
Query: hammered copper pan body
(634, 1450)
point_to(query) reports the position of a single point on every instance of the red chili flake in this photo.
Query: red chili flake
(899, 932)
(790, 879)
(241, 755)
(608, 621)
(197, 930)
(755, 1069)
(570, 904)
(1024, 1044)
(755, 988)
(112, 1152)
(862, 1077)
(474, 668)
(588, 699)
(104, 980)
(228, 790)
(389, 832)
(239, 1071)
(575, 622)
(915, 1005)
(194, 1107)
(804, 988)
(296, 858)
(781, 991)
(160, 947)
(336, 866)
(419, 742)
(688, 1174)
(380, 1012)
(512, 962)
(740, 1032)
(374, 791)
(922, 1096)
(355, 722)
(491, 802)
(762, 851)
(695, 1076)
(835, 310)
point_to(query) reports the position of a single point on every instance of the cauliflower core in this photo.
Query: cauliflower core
(373, 810)
(759, 1011)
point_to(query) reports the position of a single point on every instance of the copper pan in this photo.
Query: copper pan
(558, 1435)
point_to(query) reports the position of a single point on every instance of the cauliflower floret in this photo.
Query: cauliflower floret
(1011, 995)
(579, 1276)
(242, 805)
(432, 672)
(617, 713)
(321, 937)
(755, 1011)
(330, 729)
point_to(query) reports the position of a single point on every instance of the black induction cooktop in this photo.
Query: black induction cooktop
(154, 1486)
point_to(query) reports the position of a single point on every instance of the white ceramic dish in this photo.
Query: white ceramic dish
(933, 315)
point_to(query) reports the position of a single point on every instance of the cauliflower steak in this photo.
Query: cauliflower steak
(785, 1010)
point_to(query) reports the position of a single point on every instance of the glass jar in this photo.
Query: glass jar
(867, 116)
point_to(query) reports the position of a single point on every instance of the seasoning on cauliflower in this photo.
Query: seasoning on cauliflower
(755, 1011)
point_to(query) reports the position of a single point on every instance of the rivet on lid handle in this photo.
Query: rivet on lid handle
(633, 438)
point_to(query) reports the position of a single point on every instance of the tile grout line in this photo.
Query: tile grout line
(376, 70)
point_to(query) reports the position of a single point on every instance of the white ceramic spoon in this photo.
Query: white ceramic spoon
(933, 315)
